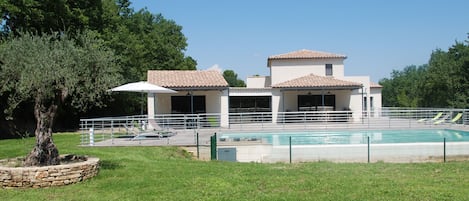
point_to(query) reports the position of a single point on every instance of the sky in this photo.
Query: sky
(377, 36)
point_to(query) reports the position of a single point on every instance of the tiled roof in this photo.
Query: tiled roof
(375, 85)
(307, 54)
(187, 79)
(315, 81)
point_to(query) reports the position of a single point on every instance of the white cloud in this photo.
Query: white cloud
(215, 67)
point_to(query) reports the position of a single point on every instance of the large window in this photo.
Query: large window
(329, 70)
(315, 102)
(183, 105)
(250, 104)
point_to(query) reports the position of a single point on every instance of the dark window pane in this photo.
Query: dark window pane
(328, 69)
(182, 104)
(239, 104)
(312, 102)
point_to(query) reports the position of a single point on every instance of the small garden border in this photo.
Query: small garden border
(69, 172)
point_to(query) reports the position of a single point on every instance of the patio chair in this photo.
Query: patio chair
(153, 131)
(452, 121)
(438, 115)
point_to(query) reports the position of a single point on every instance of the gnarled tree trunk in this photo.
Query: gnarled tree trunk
(44, 152)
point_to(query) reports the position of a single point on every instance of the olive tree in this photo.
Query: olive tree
(48, 70)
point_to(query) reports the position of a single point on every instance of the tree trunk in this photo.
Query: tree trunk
(44, 152)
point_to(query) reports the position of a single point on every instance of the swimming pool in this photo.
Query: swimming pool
(350, 136)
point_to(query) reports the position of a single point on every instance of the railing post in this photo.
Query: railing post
(290, 149)
(283, 120)
(197, 142)
(112, 131)
(91, 136)
(368, 142)
(262, 120)
(241, 121)
(389, 123)
(304, 119)
(102, 130)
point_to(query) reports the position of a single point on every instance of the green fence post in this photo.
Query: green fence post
(213, 147)
(444, 150)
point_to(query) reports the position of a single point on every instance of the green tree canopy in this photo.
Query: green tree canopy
(148, 42)
(402, 89)
(443, 82)
(141, 40)
(232, 78)
(49, 70)
(447, 80)
(49, 16)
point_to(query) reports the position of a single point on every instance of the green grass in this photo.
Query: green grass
(166, 173)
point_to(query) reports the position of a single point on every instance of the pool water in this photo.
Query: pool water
(351, 137)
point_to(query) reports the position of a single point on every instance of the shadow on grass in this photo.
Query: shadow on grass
(109, 165)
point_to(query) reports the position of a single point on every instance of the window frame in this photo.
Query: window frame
(329, 70)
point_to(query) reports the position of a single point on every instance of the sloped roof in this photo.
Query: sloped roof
(177, 79)
(375, 85)
(316, 81)
(306, 54)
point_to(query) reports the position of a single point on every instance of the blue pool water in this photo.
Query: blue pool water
(350, 137)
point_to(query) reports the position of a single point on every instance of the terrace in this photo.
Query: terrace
(196, 133)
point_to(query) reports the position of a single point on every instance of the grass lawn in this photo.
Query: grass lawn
(167, 173)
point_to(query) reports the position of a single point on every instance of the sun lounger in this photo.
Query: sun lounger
(438, 115)
(452, 121)
(142, 131)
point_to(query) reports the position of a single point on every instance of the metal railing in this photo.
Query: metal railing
(110, 128)
(298, 149)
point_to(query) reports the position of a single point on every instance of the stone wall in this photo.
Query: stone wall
(41, 177)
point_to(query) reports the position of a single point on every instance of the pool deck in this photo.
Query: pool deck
(249, 150)
(187, 137)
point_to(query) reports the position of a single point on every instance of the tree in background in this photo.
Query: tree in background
(141, 40)
(447, 80)
(144, 41)
(148, 42)
(443, 82)
(49, 70)
(232, 78)
(49, 16)
(402, 89)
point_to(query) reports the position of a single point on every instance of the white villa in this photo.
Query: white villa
(299, 81)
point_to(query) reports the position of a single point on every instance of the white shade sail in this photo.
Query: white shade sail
(142, 86)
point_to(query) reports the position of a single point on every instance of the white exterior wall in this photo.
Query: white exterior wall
(281, 71)
(258, 82)
(342, 98)
(284, 70)
(377, 100)
(277, 104)
(250, 92)
(151, 102)
(224, 109)
(162, 102)
(357, 95)
(290, 101)
(212, 100)
(356, 104)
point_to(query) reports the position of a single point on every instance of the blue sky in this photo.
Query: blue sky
(377, 36)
